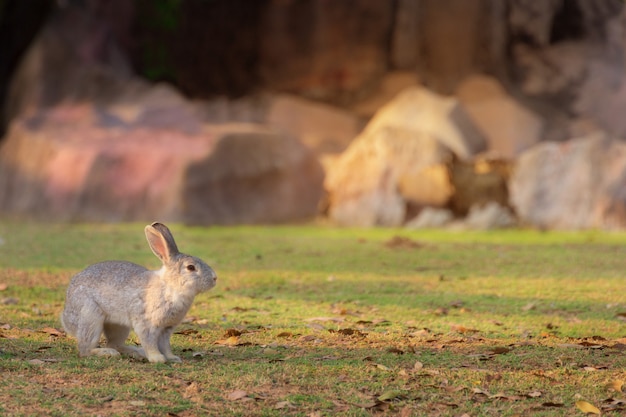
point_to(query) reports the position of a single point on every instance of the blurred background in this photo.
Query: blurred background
(416, 113)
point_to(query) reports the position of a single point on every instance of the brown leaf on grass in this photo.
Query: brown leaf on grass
(534, 394)
(187, 332)
(230, 341)
(349, 332)
(611, 404)
(237, 394)
(400, 242)
(462, 329)
(232, 332)
(478, 391)
(529, 306)
(587, 408)
(238, 309)
(283, 404)
(499, 350)
(193, 392)
(503, 396)
(307, 338)
(52, 331)
(616, 385)
(285, 334)
(391, 394)
(591, 345)
(382, 367)
(551, 404)
(332, 319)
(3, 286)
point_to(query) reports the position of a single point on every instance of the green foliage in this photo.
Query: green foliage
(159, 20)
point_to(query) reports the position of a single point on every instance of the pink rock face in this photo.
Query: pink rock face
(63, 165)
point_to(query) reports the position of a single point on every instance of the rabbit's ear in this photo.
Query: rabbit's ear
(161, 241)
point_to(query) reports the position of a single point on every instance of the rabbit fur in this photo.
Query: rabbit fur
(113, 297)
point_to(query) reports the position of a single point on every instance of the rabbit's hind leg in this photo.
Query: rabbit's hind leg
(116, 336)
(88, 331)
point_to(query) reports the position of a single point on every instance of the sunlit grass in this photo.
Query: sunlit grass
(443, 299)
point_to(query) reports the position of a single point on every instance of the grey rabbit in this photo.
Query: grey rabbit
(116, 296)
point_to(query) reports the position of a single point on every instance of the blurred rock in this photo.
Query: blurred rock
(479, 181)
(324, 50)
(69, 164)
(578, 184)
(398, 164)
(392, 84)
(431, 218)
(507, 125)
(489, 216)
(418, 109)
(252, 175)
(324, 128)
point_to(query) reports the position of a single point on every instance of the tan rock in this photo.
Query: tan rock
(508, 126)
(324, 128)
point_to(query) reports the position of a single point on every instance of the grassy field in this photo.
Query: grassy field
(317, 321)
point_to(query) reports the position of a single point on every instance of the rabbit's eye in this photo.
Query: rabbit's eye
(191, 267)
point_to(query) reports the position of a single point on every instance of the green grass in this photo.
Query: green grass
(437, 323)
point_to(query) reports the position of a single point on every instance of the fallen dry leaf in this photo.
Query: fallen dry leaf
(616, 385)
(230, 341)
(383, 367)
(587, 408)
(232, 332)
(349, 332)
(3, 286)
(237, 394)
(400, 242)
(462, 329)
(552, 404)
(391, 394)
(283, 404)
(332, 319)
(611, 404)
(187, 331)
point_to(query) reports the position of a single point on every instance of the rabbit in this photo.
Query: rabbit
(116, 296)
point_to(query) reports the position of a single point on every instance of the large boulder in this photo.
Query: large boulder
(398, 164)
(324, 128)
(578, 184)
(85, 163)
(508, 126)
